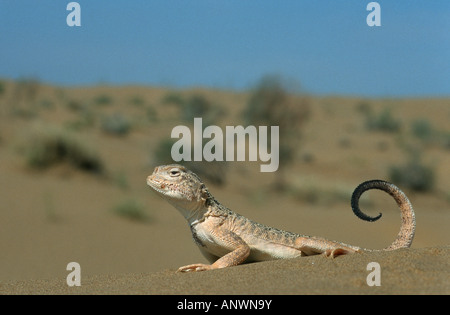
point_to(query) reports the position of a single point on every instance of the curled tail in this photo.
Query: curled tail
(407, 229)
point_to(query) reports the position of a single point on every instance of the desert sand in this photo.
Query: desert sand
(406, 271)
(127, 240)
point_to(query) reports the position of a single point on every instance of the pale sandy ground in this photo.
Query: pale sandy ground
(55, 216)
(406, 271)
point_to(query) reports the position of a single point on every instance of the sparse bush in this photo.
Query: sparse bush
(120, 179)
(214, 172)
(103, 100)
(48, 145)
(131, 209)
(199, 106)
(384, 121)
(195, 106)
(22, 112)
(364, 108)
(314, 192)
(422, 129)
(86, 118)
(116, 124)
(413, 175)
(23, 98)
(271, 105)
(75, 105)
(172, 98)
(2, 88)
(47, 104)
(151, 113)
(137, 101)
(162, 152)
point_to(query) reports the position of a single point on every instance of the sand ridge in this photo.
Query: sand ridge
(405, 271)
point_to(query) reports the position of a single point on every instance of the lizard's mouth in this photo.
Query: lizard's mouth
(156, 184)
(171, 190)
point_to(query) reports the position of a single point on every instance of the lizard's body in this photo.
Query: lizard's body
(226, 238)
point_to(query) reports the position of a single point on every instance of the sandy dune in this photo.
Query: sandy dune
(407, 271)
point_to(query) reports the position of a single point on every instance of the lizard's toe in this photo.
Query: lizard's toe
(194, 267)
(332, 253)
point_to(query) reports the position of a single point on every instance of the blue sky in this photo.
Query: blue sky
(324, 45)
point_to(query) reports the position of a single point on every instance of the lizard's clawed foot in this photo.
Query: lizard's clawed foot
(332, 253)
(195, 267)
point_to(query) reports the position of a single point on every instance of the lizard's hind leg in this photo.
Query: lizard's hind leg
(315, 246)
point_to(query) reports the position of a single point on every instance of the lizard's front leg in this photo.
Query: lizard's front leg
(240, 252)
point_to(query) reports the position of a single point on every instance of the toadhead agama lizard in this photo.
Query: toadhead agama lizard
(226, 238)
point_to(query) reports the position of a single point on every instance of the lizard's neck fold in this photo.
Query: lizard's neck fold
(195, 208)
(192, 214)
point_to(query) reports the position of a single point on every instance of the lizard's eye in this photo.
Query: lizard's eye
(174, 172)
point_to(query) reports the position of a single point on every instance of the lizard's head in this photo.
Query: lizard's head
(179, 186)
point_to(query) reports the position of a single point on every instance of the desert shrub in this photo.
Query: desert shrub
(116, 124)
(172, 98)
(131, 209)
(422, 129)
(47, 104)
(214, 172)
(75, 105)
(364, 108)
(267, 102)
(151, 114)
(48, 145)
(161, 153)
(2, 88)
(23, 99)
(103, 100)
(199, 106)
(86, 118)
(120, 180)
(384, 121)
(211, 112)
(315, 193)
(137, 101)
(195, 106)
(413, 175)
(270, 104)
(24, 112)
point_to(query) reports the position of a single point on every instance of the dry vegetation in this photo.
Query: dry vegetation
(82, 155)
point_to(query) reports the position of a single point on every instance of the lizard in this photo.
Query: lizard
(227, 238)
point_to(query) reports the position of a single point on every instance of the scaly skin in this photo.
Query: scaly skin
(227, 239)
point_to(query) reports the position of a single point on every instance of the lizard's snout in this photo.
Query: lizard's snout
(149, 179)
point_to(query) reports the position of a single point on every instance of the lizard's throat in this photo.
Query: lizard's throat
(191, 211)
